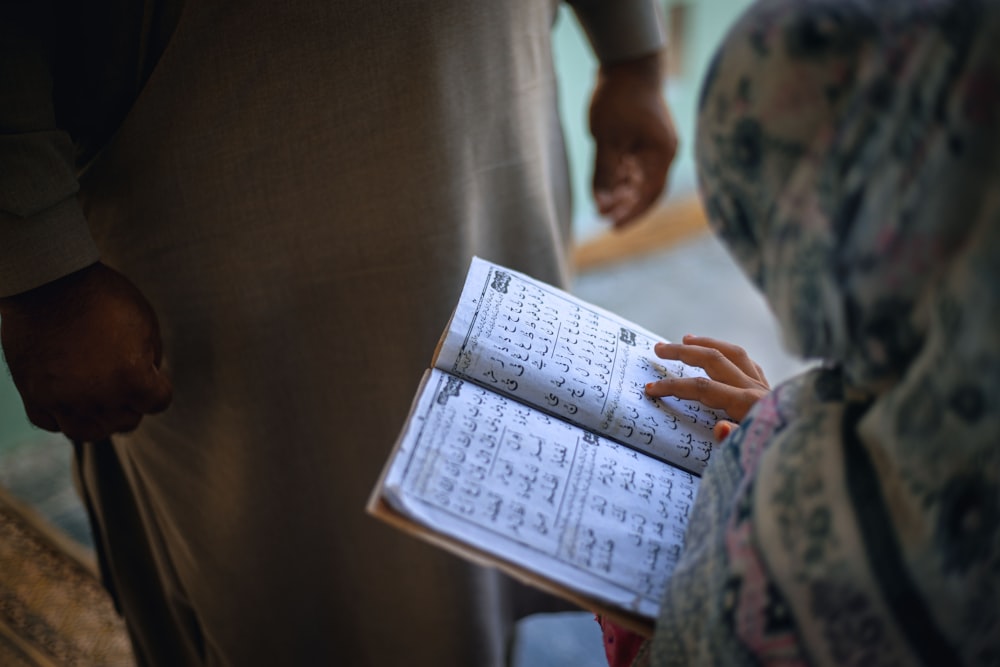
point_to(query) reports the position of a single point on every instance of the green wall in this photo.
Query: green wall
(14, 425)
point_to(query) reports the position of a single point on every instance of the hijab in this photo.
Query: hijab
(849, 156)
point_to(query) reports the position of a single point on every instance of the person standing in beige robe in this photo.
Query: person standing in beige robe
(230, 235)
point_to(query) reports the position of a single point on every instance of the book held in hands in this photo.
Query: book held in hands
(532, 446)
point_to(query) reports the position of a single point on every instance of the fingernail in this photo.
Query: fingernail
(722, 430)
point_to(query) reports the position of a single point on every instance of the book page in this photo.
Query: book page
(544, 346)
(540, 493)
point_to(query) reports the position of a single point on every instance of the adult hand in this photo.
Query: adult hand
(634, 136)
(84, 352)
(734, 383)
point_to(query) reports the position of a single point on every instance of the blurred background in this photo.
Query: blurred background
(667, 273)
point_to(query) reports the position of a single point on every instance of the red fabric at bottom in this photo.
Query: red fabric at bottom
(620, 645)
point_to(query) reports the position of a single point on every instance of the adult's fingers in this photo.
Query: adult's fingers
(628, 182)
(118, 408)
(41, 418)
(614, 191)
(605, 168)
(95, 423)
(154, 392)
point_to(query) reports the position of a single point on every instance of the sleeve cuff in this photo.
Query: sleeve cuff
(621, 30)
(49, 245)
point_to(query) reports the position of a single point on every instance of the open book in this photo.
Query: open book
(532, 446)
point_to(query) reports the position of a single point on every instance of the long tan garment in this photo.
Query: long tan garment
(298, 191)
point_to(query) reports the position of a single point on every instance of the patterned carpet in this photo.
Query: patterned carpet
(53, 610)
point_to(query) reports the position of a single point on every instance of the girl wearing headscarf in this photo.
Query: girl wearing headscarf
(849, 155)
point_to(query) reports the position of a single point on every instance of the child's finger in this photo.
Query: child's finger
(712, 361)
(722, 429)
(734, 353)
(734, 401)
(760, 374)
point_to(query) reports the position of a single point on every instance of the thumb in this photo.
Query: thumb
(722, 429)
(155, 394)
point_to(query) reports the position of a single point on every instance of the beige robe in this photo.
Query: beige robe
(298, 190)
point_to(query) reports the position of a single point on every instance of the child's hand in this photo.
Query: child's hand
(734, 381)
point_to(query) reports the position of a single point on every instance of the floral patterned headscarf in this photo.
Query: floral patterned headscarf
(849, 156)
